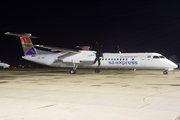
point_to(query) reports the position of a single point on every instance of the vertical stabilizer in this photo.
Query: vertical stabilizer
(27, 45)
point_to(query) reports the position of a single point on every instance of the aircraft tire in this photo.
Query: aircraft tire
(165, 72)
(97, 70)
(73, 71)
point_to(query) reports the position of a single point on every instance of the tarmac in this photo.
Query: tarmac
(55, 94)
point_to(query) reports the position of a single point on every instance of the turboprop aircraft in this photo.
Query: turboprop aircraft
(4, 65)
(86, 58)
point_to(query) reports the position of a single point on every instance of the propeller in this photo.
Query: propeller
(119, 50)
(98, 55)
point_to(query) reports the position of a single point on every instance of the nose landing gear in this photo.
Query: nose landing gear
(165, 72)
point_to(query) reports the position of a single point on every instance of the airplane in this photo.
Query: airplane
(4, 65)
(86, 58)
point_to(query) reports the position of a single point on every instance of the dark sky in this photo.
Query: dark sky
(138, 26)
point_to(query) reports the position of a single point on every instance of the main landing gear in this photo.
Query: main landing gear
(73, 70)
(165, 72)
(97, 70)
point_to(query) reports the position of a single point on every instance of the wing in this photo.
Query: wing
(63, 50)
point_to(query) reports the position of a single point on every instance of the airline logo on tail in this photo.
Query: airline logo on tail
(27, 46)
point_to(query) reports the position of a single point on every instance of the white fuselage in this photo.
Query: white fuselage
(4, 65)
(109, 60)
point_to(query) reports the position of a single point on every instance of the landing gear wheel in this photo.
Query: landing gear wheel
(165, 72)
(73, 71)
(97, 70)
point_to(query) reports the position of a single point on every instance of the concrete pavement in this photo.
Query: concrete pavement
(54, 94)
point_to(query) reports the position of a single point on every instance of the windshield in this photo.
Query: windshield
(161, 56)
(155, 57)
(158, 57)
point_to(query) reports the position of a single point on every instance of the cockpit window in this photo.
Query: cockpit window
(158, 57)
(161, 56)
(155, 57)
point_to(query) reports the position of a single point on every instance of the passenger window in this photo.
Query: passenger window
(114, 58)
(102, 58)
(132, 59)
(111, 58)
(117, 58)
(108, 58)
(126, 58)
(105, 58)
(120, 59)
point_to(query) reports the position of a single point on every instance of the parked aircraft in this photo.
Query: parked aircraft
(91, 59)
(4, 65)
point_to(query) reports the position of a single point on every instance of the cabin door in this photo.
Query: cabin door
(143, 61)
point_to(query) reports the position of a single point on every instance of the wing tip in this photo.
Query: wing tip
(6, 33)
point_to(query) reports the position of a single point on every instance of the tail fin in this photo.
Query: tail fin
(27, 45)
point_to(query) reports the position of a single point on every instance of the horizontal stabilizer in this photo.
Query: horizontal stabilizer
(21, 35)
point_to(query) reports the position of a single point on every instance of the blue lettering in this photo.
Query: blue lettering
(111, 62)
(123, 62)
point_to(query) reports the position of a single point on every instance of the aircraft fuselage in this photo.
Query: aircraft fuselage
(109, 60)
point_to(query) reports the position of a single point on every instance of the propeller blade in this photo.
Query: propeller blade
(122, 49)
(95, 60)
(101, 47)
(118, 48)
(98, 62)
(97, 47)
(97, 44)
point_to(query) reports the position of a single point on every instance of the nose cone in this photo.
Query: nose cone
(174, 65)
(170, 65)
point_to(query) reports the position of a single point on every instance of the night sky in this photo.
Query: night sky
(138, 26)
